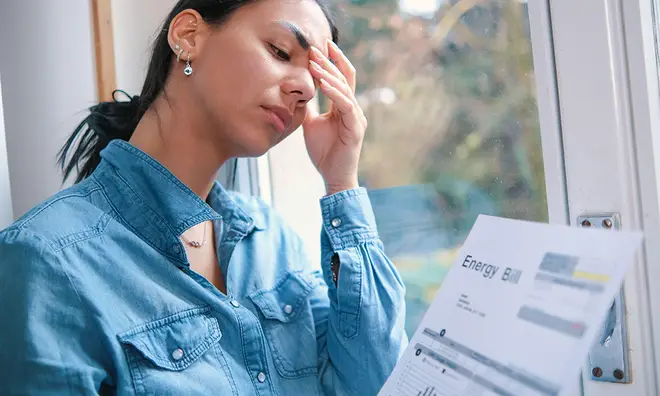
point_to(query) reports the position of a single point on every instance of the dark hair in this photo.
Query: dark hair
(118, 119)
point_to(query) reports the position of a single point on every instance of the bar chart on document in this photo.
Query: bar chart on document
(420, 376)
(442, 367)
(445, 368)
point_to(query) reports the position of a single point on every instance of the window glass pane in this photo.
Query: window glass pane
(448, 87)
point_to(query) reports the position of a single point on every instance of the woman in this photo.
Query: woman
(146, 277)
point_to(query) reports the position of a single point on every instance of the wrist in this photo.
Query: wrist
(335, 188)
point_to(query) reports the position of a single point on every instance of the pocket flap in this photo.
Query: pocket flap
(176, 341)
(284, 301)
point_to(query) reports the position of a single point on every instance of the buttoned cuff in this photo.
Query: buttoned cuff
(348, 218)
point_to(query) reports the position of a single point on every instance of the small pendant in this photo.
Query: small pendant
(196, 244)
(188, 70)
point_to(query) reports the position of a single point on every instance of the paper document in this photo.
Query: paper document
(517, 313)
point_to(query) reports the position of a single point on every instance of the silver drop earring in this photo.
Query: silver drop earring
(188, 70)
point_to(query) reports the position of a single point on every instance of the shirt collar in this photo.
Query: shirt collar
(158, 206)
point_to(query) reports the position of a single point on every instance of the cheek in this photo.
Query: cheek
(255, 66)
(237, 79)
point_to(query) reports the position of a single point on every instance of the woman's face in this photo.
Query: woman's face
(252, 74)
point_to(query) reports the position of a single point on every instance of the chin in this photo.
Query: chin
(258, 153)
(257, 146)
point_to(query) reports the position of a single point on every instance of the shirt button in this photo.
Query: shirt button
(177, 354)
(336, 222)
(234, 303)
(261, 377)
(176, 248)
(288, 309)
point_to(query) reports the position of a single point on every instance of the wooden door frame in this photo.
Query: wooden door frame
(106, 77)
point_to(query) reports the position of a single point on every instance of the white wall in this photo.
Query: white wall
(48, 80)
(135, 26)
(6, 212)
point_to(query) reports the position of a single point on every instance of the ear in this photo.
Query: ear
(189, 31)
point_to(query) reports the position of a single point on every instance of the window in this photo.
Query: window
(448, 87)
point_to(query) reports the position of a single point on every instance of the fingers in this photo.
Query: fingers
(338, 83)
(319, 73)
(350, 112)
(343, 64)
(325, 63)
(343, 103)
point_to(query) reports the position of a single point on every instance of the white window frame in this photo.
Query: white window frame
(602, 57)
(242, 175)
(6, 210)
(642, 48)
(599, 102)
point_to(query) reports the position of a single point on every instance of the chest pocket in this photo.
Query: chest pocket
(178, 354)
(288, 323)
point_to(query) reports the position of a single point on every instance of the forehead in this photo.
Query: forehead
(306, 15)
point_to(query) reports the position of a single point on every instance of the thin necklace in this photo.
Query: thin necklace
(196, 244)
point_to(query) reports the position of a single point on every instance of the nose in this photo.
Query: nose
(299, 87)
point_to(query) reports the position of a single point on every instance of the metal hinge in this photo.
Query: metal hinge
(608, 359)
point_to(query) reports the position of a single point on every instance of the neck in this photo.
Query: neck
(179, 144)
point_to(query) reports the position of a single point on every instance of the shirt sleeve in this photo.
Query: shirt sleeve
(361, 333)
(45, 347)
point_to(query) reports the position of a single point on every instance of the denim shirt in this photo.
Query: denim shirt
(98, 295)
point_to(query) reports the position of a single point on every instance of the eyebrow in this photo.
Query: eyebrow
(299, 35)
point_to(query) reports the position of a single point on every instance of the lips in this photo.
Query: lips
(280, 117)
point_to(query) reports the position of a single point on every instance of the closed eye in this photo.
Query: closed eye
(279, 53)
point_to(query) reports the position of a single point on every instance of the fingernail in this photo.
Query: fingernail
(334, 45)
(321, 55)
(317, 51)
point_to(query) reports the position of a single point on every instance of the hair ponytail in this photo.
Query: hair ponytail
(106, 121)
